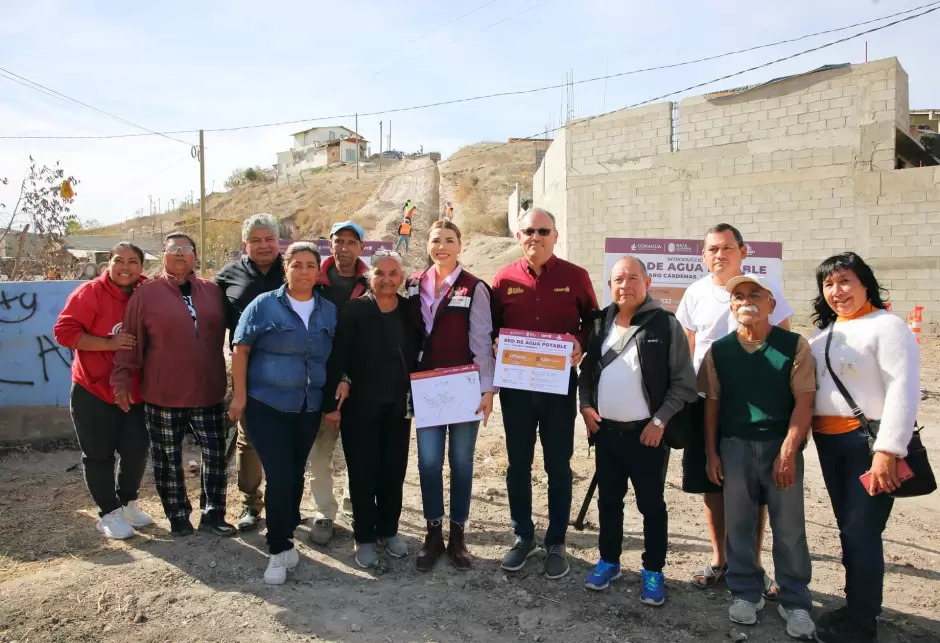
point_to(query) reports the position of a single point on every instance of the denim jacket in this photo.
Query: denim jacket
(287, 361)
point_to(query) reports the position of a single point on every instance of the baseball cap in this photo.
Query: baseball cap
(761, 282)
(348, 225)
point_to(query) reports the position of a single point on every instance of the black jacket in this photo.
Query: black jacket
(665, 359)
(361, 352)
(241, 282)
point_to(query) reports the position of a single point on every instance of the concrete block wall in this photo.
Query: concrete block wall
(549, 187)
(807, 161)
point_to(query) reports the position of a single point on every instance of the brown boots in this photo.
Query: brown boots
(457, 549)
(434, 547)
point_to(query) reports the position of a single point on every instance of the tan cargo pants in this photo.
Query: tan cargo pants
(320, 465)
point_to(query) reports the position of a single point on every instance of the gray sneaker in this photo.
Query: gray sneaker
(799, 623)
(745, 612)
(556, 562)
(515, 558)
(322, 532)
(395, 546)
(366, 556)
(248, 520)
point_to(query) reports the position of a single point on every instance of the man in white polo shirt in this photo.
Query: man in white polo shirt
(705, 313)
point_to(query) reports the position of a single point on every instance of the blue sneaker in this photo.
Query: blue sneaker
(654, 588)
(602, 575)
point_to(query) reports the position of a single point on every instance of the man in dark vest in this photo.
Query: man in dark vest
(258, 271)
(636, 375)
(760, 384)
(342, 278)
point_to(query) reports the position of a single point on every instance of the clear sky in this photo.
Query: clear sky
(187, 65)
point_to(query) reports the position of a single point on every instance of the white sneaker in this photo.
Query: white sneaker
(279, 565)
(799, 623)
(745, 612)
(135, 516)
(113, 525)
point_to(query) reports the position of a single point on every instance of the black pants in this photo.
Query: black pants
(620, 457)
(375, 442)
(102, 430)
(283, 441)
(552, 417)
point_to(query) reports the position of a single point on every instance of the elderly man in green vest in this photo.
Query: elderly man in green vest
(760, 383)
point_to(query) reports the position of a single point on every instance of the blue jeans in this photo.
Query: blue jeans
(861, 519)
(748, 468)
(463, 440)
(550, 417)
(403, 239)
(283, 440)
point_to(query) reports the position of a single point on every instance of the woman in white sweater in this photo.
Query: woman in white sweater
(876, 357)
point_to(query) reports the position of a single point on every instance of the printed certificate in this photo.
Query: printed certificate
(539, 362)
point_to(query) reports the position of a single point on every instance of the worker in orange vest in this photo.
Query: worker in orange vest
(404, 234)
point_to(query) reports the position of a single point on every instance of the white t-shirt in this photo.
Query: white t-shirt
(620, 390)
(706, 309)
(303, 308)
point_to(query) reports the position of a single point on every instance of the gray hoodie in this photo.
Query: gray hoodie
(682, 385)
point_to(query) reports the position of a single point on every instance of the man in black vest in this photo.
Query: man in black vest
(636, 375)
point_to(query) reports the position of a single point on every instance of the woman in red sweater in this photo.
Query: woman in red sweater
(90, 323)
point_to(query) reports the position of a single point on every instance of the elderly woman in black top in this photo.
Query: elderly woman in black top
(375, 348)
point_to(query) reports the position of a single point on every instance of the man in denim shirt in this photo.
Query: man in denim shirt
(282, 343)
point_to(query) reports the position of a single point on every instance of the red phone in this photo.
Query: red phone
(904, 473)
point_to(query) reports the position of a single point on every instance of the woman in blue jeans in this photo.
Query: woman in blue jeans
(452, 309)
(875, 357)
(282, 343)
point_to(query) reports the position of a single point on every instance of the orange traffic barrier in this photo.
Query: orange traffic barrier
(916, 320)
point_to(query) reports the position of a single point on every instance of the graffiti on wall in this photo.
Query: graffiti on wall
(34, 369)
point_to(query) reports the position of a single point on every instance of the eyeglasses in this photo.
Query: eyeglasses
(543, 232)
(179, 250)
(382, 252)
(756, 296)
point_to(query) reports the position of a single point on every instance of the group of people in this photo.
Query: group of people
(325, 348)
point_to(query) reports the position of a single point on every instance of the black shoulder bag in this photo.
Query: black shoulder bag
(924, 482)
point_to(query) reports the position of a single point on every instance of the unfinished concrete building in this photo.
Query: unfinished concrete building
(809, 160)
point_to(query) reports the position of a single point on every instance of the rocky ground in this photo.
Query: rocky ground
(60, 581)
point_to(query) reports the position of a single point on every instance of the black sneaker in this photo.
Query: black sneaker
(180, 527)
(556, 562)
(515, 558)
(833, 617)
(248, 520)
(215, 524)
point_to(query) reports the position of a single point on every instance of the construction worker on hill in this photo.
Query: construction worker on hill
(448, 212)
(408, 209)
(404, 234)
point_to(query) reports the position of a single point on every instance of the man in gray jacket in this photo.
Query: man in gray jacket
(636, 378)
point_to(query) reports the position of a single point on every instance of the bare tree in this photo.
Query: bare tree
(44, 202)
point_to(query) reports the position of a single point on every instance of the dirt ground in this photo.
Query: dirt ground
(60, 581)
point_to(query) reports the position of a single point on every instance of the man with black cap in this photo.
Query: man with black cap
(342, 277)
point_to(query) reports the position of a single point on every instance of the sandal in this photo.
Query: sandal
(709, 576)
(771, 590)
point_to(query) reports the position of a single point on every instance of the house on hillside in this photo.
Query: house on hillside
(321, 146)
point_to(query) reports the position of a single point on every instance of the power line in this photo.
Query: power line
(932, 6)
(447, 44)
(26, 82)
(435, 30)
(697, 85)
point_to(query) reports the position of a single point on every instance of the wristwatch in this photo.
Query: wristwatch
(658, 423)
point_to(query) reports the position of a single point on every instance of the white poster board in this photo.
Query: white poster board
(446, 396)
(674, 264)
(530, 361)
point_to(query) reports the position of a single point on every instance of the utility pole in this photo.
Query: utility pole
(380, 139)
(389, 147)
(357, 145)
(150, 196)
(202, 204)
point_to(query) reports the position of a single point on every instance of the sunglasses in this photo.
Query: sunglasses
(543, 232)
(382, 252)
(179, 250)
